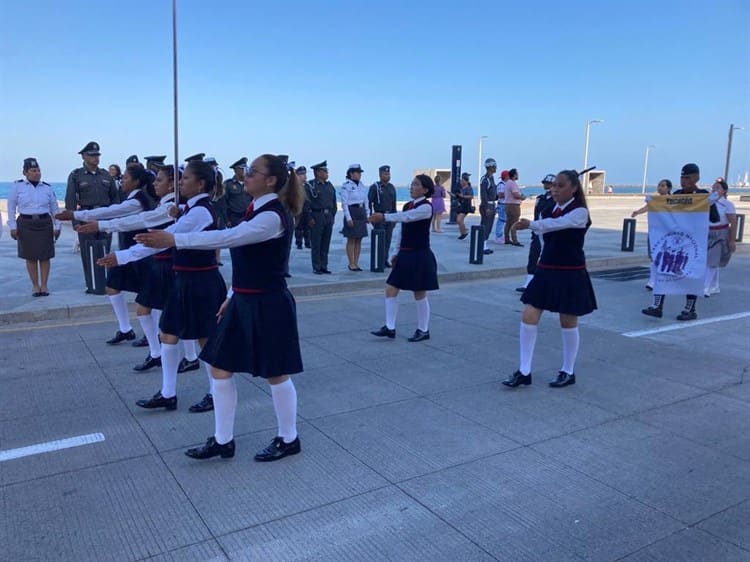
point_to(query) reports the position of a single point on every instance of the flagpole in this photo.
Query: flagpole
(175, 99)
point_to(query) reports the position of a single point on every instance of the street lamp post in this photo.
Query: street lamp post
(174, 94)
(586, 150)
(645, 168)
(729, 150)
(479, 164)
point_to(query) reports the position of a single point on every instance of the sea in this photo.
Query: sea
(403, 192)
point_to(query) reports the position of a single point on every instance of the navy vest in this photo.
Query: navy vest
(563, 249)
(125, 239)
(197, 260)
(416, 235)
(260, 267)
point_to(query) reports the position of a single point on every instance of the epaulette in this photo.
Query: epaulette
(45, 183)
(19, 181)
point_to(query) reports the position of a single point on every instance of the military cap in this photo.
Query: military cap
(92, 149)
(199, 157)
(29, 163)
(155, 159)
(466, 175)
(354, 168)
(241, 162)
(300, 170)
(284, 158)
(490, 162)
(384, 168)
(320, 165)
(210, 160)
(133, 159)
(549, 178)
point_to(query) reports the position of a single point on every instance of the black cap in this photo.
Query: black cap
(688, 169)
(132, 159)
(300, 170)
(320, 165)
(92, 149)
(241, 162)
(196, 157)
(155, 159)
(283, 157)
(384, 168)
(466, 175)
(30, 163)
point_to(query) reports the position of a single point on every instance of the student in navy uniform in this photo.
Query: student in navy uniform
(36, 232)
(198, 289)
(140, 196)
(320, 212)
(542, 206)
(382, 199)
(414, 266)
(561, 283)
(257, 331)
(156, 273)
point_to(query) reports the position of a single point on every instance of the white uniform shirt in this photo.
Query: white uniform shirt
(130, 206)
(577, 218)
(725, 207)
(26, 199)
(353, 194)
(144, 219)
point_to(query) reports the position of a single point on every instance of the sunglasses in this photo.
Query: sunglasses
(250, 171)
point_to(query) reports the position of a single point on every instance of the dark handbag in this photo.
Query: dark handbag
(472, 209)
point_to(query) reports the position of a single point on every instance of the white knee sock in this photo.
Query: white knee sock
(528, 341)
(152, 334)
(170, 359)
(711, 280)
(715, 284)
(652, 275)
(207, 367)
(191, 353)
(156, 315)
(570, 341)
(225, 406)
(121, 311)
(391, 311)
(285, 404)
(423, 314)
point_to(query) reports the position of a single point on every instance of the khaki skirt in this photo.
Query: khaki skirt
(36, 239)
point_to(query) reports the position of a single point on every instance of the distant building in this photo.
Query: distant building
(444, 173)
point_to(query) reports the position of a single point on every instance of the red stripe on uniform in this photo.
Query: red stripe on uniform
(563, 267)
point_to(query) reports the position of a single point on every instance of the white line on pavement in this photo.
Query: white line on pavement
(684, 325)
(50, 446)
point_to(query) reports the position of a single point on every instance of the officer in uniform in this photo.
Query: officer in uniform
(90, 187)
(382, 199)
(154, 163)
(200, 156)
(132, 159)
(320, 210)
(235, 199)
(302, 229)
(488, 199)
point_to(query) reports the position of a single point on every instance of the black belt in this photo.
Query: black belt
(34, 217)
(324, 211)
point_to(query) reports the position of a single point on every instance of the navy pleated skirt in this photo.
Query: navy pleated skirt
(126, 277)
(157, 281)
(192, 304)
(415, 270)
(257, 335)
(565, 291)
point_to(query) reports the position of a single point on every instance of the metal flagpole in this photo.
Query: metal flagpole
(174, 92)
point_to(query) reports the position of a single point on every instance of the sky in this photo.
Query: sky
(393, 82)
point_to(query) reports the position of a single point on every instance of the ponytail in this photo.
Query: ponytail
(288, 188)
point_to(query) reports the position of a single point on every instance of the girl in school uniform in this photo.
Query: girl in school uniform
(561, 283)
(722, 233)
(137, 185)
(414, 267)
(198, 288)
(257, 330)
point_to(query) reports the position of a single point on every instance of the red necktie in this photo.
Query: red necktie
(249, 211)
(556, 213)
(410, 205)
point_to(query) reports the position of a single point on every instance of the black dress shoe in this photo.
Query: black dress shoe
(205, 405)
(517, 379)
(149, 363)
(318, 271)
(487, 252)
(464, 235)
(419, 335)
(278, 450)
(186, 365)
(307, 246)
(287, 275)
(384, 332)
(563, 379)
(212, 449)
(119, 336)
(520, 289)
(687, 315)
(388, 264)
(299, 246)
(326, 271)
(158, 401)
(652, 311)
(143, 342)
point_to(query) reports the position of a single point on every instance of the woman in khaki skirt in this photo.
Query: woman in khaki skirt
(36, 231)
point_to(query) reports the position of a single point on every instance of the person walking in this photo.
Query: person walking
(664, 187)
(722, 236)
(513, 200)
(500, 224)
(438, 204)
(34, 228)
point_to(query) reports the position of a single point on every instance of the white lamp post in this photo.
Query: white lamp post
(586, 150)
(645, 168)
(479, 165)
(732, 128)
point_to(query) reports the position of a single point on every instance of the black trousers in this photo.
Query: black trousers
(487, 222)
(302, 232)
(535, 250)
(320, 239)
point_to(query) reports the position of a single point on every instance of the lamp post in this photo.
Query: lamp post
(586, 150)
(479, 164)
(174, 94)
(732, 128)
(645, 168)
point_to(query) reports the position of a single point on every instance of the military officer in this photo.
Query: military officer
(302, 228)
(90, 187)
(132, 159)
(320, 208)
(235, 199)
(382, 199)
(154, 163)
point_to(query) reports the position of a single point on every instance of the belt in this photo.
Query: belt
(561, 267)
(35, 217)
(244, 291)
(324, 211)
(188, 268)
(360, 205)
(720, 227)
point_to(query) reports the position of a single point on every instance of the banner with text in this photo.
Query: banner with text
(678, 235)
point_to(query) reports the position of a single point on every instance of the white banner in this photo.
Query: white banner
(678, 236)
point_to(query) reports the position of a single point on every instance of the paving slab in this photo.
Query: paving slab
(732, 525)
(208, 551)
(690, 545)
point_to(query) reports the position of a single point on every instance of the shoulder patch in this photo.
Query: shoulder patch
(19, 181)
(45, 183)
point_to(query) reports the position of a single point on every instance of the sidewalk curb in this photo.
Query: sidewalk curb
(86, 311)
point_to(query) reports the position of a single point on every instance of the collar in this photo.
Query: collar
(132, 194)
(263, 199)
(193, 200)
(564, 205)
(93, 173)
(168, 198)
(418, 199)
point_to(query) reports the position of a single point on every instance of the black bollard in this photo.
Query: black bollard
(476, 247)
(628, 235)
(740, 227)
(95, 274)
(455, 183)
(377, 250)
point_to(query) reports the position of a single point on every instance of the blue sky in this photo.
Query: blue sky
(394, 82)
